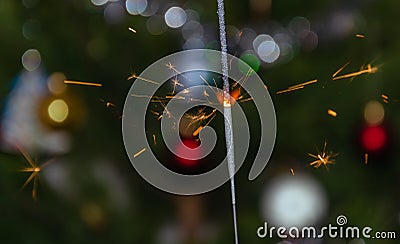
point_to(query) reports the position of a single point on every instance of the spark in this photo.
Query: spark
(245, 100)
(154, 139)
(292, 171)
(197, 131)
(289, 90)
(34, 169)
(360, 36)
(140, 152)
(340, 69)
(322, 158)
(133, 76)
(175, 97)
(366, 158)
(132, 30)
(200, 116)
(332, 113)
(297, 87)
(176, 83)
(385, 98)
(84, 83)
(108, 104)
(368, 70)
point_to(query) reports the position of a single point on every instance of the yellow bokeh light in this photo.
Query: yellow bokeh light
(374, 113)
(58, 110)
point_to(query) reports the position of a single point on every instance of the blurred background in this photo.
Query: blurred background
(65, 140)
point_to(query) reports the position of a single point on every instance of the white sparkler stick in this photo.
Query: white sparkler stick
(227, 111)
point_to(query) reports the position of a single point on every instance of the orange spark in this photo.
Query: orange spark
(322, 158)
(332, 113)
(84, 83)
(197, 131)
(366, 158)
(297, 87)
(143, 79)
(154, 139)
(368, 70)
(340, 69)
(34, 169)
(360, 36)
(385, 98)
(140, 152)
(292, 171)
(289, 90)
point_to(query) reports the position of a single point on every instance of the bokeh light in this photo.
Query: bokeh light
(156, 25)
(99, 2)
(175, 17)
(56, 84)
(293, 201)
(374, 138)
(58, 110)
(192, 29)
(251, 59)
(193, 43)
(268, 51)
(31, 29)
(135, 7)
(374, 113)
(260, 39)
(114, 13)
(31, 59)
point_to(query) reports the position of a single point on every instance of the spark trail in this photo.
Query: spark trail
(227, 111)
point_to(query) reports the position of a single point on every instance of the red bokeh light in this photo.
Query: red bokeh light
(190, 143)
(373, 138)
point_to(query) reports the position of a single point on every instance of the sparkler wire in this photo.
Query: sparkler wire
(227, 111)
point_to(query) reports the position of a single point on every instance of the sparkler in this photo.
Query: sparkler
(322, 158)
(34, 169)
(84, 83)
(227, 111)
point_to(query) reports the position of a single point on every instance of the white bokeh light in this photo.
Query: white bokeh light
(175, 17)
(260, 39)
(268, 51)
(293, 201)
(135, 7)
(31, 59)
(99, 2)
(114, 13)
